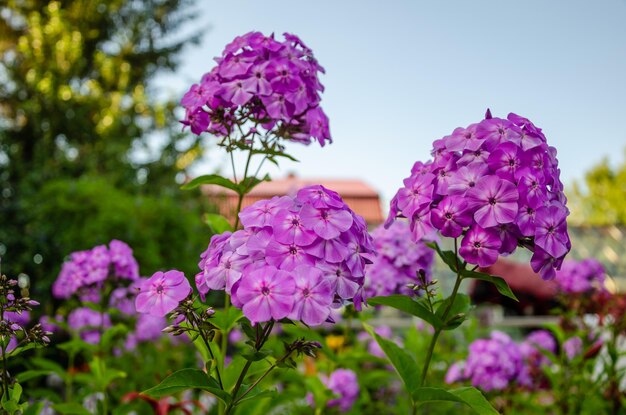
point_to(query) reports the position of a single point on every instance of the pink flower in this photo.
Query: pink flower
(162, 292)
(267, 293)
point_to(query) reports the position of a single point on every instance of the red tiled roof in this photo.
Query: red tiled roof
(361, 198)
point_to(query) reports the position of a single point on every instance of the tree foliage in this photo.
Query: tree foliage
(601, 199)
(76, 99)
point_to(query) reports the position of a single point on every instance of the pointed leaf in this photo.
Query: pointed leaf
(448, 257)
(501, 285)
(217, 223)
(457, 313)
(403, 362)
(188, 379)
(469, 396)
(215, 179)
(408, 305)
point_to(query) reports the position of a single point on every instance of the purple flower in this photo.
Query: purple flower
(494, 363)
(162, 293)
(495, 201)
(535, 345)
(297, 239)
(258, 77)
(397, 262)
(551, 230)
(480, 246)
(86, 271)
(313, 297)
(327, 223)
(88, 323)
(267, 293)
(344, 383)
(581, 276)
(505, 178)
(450, 216)
(573, 347)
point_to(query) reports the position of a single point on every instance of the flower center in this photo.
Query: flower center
(551, 229)
(306, 293)
(492, 201)
(448, 215)
(477, 245)
(293, 250)
(265, 291)
(159, 289)
(295, 222)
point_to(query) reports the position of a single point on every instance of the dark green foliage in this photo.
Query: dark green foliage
(163, 232)
(77, 99)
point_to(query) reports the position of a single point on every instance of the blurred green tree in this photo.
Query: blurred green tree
(600, 199)
(75, 100)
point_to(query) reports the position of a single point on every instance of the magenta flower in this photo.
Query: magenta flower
(451, 216)
(297, 239)
(313, 297)
(162, 293)
(342, 382)
(495, 201)
(509, 177)
(289, 228)
(480, 246)
(551, 230)
(327, 223)
(267, 293)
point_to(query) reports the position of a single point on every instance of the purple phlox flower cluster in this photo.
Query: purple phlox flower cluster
(88, 323)
(576, 277)
(344, 383)
(86, 271)
(161, 293)
(495, 184)
(297, 257)
(535, 345)
(397, 261)
(372, 346)
(259, 78)
(492, 364)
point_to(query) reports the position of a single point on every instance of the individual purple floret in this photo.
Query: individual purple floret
(88, 323)
(494, 184)
(257, 77)
(397, 262)
(576, 277)
(86, 271)
(296, 257)
(161, 293)
(344, 383)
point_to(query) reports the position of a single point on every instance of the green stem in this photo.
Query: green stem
(5, 373)
(262, 337)
(444, 317)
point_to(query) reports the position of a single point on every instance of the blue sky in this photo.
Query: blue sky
(401, 74)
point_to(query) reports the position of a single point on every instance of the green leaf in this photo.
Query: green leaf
(469, 396)
(245, 186)
(410, 306)
(225, 321)
(448, 257)
(35, 408)
(188, 379)
(215, 179)
(32, 374)
(255, 356)
(256, 393)
(403, 362)
(501, 285)
(217, 223)
(458, 311)
(274, 153)
(70, 409)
